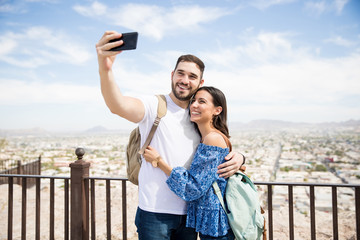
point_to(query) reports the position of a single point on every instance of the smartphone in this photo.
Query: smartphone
(130, 42)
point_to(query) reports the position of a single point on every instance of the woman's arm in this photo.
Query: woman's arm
(194, 183)
(153, 157)
(188, 184)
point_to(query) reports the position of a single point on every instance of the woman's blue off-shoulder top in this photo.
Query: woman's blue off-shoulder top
(204, 212)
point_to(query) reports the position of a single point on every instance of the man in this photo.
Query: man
(161, 214)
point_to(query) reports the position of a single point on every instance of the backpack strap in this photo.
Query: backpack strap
(162, 104)
(218, 194)
(217, 191)
(161, 112)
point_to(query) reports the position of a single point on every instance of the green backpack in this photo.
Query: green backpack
(242, 207)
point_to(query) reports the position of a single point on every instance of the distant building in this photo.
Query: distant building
(329, 159)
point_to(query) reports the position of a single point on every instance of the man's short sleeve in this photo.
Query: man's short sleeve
(150, 109)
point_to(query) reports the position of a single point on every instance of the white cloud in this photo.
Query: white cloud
(46, 1)
(7, 8)
(95, 9)
(15, 92)
(317, 7)
(339, 40)
(339, 5)
(20, 6)
(151, 83)
(320, 7)
(305, 90)
(151, 20)
(255, 50)
(263, 4)
(298, 113)
(37, 46)
(7, 45)
(270, 77)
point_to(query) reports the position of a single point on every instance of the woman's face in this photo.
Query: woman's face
(202, 108)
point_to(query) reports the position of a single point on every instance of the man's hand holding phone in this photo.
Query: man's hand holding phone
(111, 44)
(115, 42)
(129, 42)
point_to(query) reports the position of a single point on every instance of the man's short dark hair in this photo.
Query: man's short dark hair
(194, 59)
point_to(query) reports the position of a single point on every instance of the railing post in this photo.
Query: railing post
(19, 171)
(312, 213)
(357, 209)
(124, 209)
(39, 165)
(10, 208)
(79, 198)
(270, 212)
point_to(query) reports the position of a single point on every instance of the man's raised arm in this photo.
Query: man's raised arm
(129, 108)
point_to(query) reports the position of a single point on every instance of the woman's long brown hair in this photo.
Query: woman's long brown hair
(218, 121)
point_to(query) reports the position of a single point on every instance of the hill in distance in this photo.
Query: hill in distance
(234, 126)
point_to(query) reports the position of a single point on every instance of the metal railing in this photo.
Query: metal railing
(23, 223)
(334, 187)
(21, 168)
(80, 201)
(108, 205)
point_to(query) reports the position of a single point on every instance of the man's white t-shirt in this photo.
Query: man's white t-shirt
(175, 140)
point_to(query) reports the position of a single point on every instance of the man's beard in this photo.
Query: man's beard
(183, 97)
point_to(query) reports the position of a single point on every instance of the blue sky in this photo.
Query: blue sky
(291, 60)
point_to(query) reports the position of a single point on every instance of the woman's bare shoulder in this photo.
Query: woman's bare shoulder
(215, 139)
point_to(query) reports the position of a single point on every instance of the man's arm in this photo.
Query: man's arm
(129, 108)
(234, 162)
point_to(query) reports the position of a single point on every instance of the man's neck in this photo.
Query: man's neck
(180, 103)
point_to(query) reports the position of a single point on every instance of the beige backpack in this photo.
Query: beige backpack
(133, 151)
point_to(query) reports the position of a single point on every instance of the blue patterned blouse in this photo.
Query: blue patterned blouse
(204, 212)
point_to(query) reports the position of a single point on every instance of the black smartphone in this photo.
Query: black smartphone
(130, 42)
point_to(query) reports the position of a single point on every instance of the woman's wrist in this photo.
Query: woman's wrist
(164, 167)
(155, 163)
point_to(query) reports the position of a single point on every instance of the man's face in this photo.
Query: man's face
(186, 79)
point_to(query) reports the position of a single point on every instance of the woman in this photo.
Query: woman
(208, 110)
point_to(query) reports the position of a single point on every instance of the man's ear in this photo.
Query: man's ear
(201, 82)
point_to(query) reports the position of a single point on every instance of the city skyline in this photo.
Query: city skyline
(284, 60)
